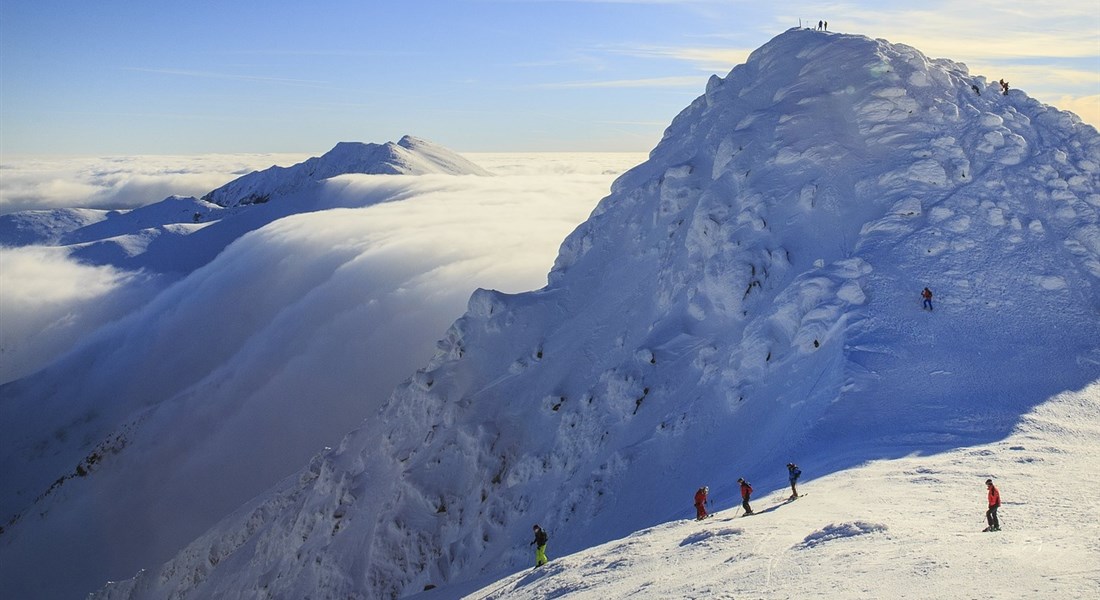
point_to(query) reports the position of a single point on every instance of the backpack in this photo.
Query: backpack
(541, 537)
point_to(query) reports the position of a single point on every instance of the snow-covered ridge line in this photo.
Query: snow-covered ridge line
(746, 297)
(96, 236)
(409, 156)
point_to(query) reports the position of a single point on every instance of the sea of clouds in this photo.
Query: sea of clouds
(33, 183)
(288, 339)
(416, 257)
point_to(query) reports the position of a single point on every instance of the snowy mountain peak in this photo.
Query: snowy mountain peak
(409, 156)
(747, 297)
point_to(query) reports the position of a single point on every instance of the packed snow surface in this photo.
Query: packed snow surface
(902, 528)
(747, 297)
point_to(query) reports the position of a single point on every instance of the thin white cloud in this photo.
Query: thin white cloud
(703, 58)
(1086, 107)
(233, 76)
(652, 82)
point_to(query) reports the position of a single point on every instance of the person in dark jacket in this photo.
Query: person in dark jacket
(927, 295)
(793, 473)
(701, 503)
(746, 492)
(540, 546)
(994, 504)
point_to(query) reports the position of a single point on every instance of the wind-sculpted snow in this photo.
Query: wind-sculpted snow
(746, 297)
(840, 531)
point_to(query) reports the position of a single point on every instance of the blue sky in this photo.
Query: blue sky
(154, 77)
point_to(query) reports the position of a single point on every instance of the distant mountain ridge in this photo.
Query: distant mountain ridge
(179, 234)
(409, 156)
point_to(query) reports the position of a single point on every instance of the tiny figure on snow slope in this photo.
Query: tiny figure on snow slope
(793, 473)
(701, 503)
(994, 504)
(927, 295)
(746, 492)
(540, 546)
(1004, 87)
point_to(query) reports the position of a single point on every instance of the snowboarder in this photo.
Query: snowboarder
(927, 295)
(701, 503)
(819, 25)
(746, 491)
(826, 26)
(1004, 87)
(994, 504)
(540, 546)
(793, 473)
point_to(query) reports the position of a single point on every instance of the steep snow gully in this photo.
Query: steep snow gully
(746, 297)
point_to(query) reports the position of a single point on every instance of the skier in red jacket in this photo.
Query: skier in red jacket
(746, 491)
(994, 504)
(701, 503)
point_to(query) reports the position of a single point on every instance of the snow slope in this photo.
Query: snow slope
(746, 297)
(409, 156)
(219, 385)
(45, 227)
(902, 528)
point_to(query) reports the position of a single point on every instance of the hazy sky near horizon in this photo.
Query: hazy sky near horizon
(124, 77)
